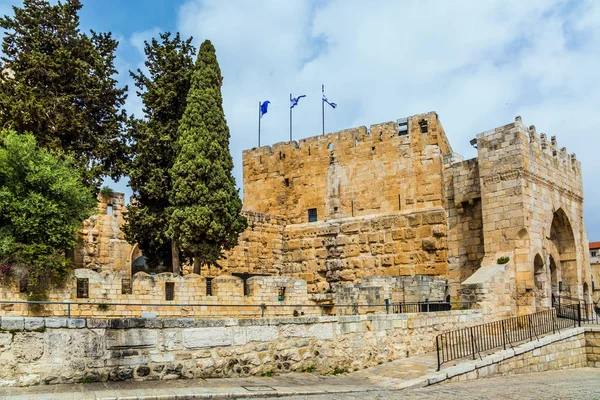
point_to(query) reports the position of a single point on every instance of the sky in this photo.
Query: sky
(476, 63)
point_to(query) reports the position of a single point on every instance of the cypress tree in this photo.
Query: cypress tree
(205, 217)
(59, 84)
(163, 91)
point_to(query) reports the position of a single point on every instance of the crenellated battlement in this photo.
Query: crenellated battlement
(537, 145)
(329, 173)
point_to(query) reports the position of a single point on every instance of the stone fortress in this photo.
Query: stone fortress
(367, 215)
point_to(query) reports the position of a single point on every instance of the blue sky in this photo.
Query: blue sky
(477, 63)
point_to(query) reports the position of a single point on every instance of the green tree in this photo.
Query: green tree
(59, 84)
(163, 90)
(205, 218)
(42, 205)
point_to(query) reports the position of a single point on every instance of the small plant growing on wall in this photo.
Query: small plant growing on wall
(106, 192)
(103, 307)
(502, 260)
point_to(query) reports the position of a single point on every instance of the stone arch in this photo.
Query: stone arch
(561, 235)
(586, 291)
(540, 278)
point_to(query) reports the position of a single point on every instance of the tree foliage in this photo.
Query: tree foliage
(42, 205)
(59, 84)
(205, 218)
(163, 91)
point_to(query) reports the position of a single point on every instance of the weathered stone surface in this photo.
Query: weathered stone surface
(131, 338)
(12, 323)
(195, 338)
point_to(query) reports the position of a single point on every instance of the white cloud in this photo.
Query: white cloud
(477, 63)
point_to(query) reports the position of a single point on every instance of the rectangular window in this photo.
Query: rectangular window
(312, 215)
(403, 126)
(593, 254)
(126, 286)
(24, 285)
(169, 290)
(209, 286)
(83, 286)
(281, 293)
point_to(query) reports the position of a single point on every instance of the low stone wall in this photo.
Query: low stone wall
(53, 350)
(229, 296)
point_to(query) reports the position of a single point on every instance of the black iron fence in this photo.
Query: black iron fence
(471, 342)
(132, 310)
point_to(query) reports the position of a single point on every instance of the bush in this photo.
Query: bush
(502, 260)
(106, 192)
(42, 205)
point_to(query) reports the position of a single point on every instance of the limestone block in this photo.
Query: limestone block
(195, 338)
(131, 338)
(12, 323)
(28, 346)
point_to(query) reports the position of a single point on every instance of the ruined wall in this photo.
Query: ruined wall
(259, 249)
(355, 172)
(56, 350)
(347, 249)
(102, 245)
(401, 289)
(465, 234)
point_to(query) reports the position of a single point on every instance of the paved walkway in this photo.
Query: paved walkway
(573, 384)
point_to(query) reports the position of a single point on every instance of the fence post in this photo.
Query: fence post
(503, 334)
(262, 309)
(472, 342)
(437, 347)
(69, 310)
(355, 308)
(387, 306)
(579, 313)
(530, 327)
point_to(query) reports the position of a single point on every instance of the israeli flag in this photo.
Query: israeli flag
(263, 107)
(294, 101)
(333, 105)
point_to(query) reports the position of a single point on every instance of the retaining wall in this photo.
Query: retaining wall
(54, 350)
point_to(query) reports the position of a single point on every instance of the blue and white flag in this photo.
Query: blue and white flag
(263, 107)
(294, 101)
(333, 105)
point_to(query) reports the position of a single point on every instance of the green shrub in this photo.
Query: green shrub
(502, 260)
(106, 192)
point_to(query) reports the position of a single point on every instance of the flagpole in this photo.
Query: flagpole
(323, 107)
(290, 117)
(259, 124)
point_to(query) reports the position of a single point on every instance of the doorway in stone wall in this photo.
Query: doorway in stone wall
(553, 277)
(561, 235)
(540, 278)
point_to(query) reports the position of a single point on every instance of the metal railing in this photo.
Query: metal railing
(104, 309)
(471, 342)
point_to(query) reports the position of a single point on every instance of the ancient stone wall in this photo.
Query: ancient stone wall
(102, 245)
(259, 250)
(532, 211)
(403, 289)
(348, 249)
(465, 234)
(55, 350)
(227, 296)
(355, 172)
